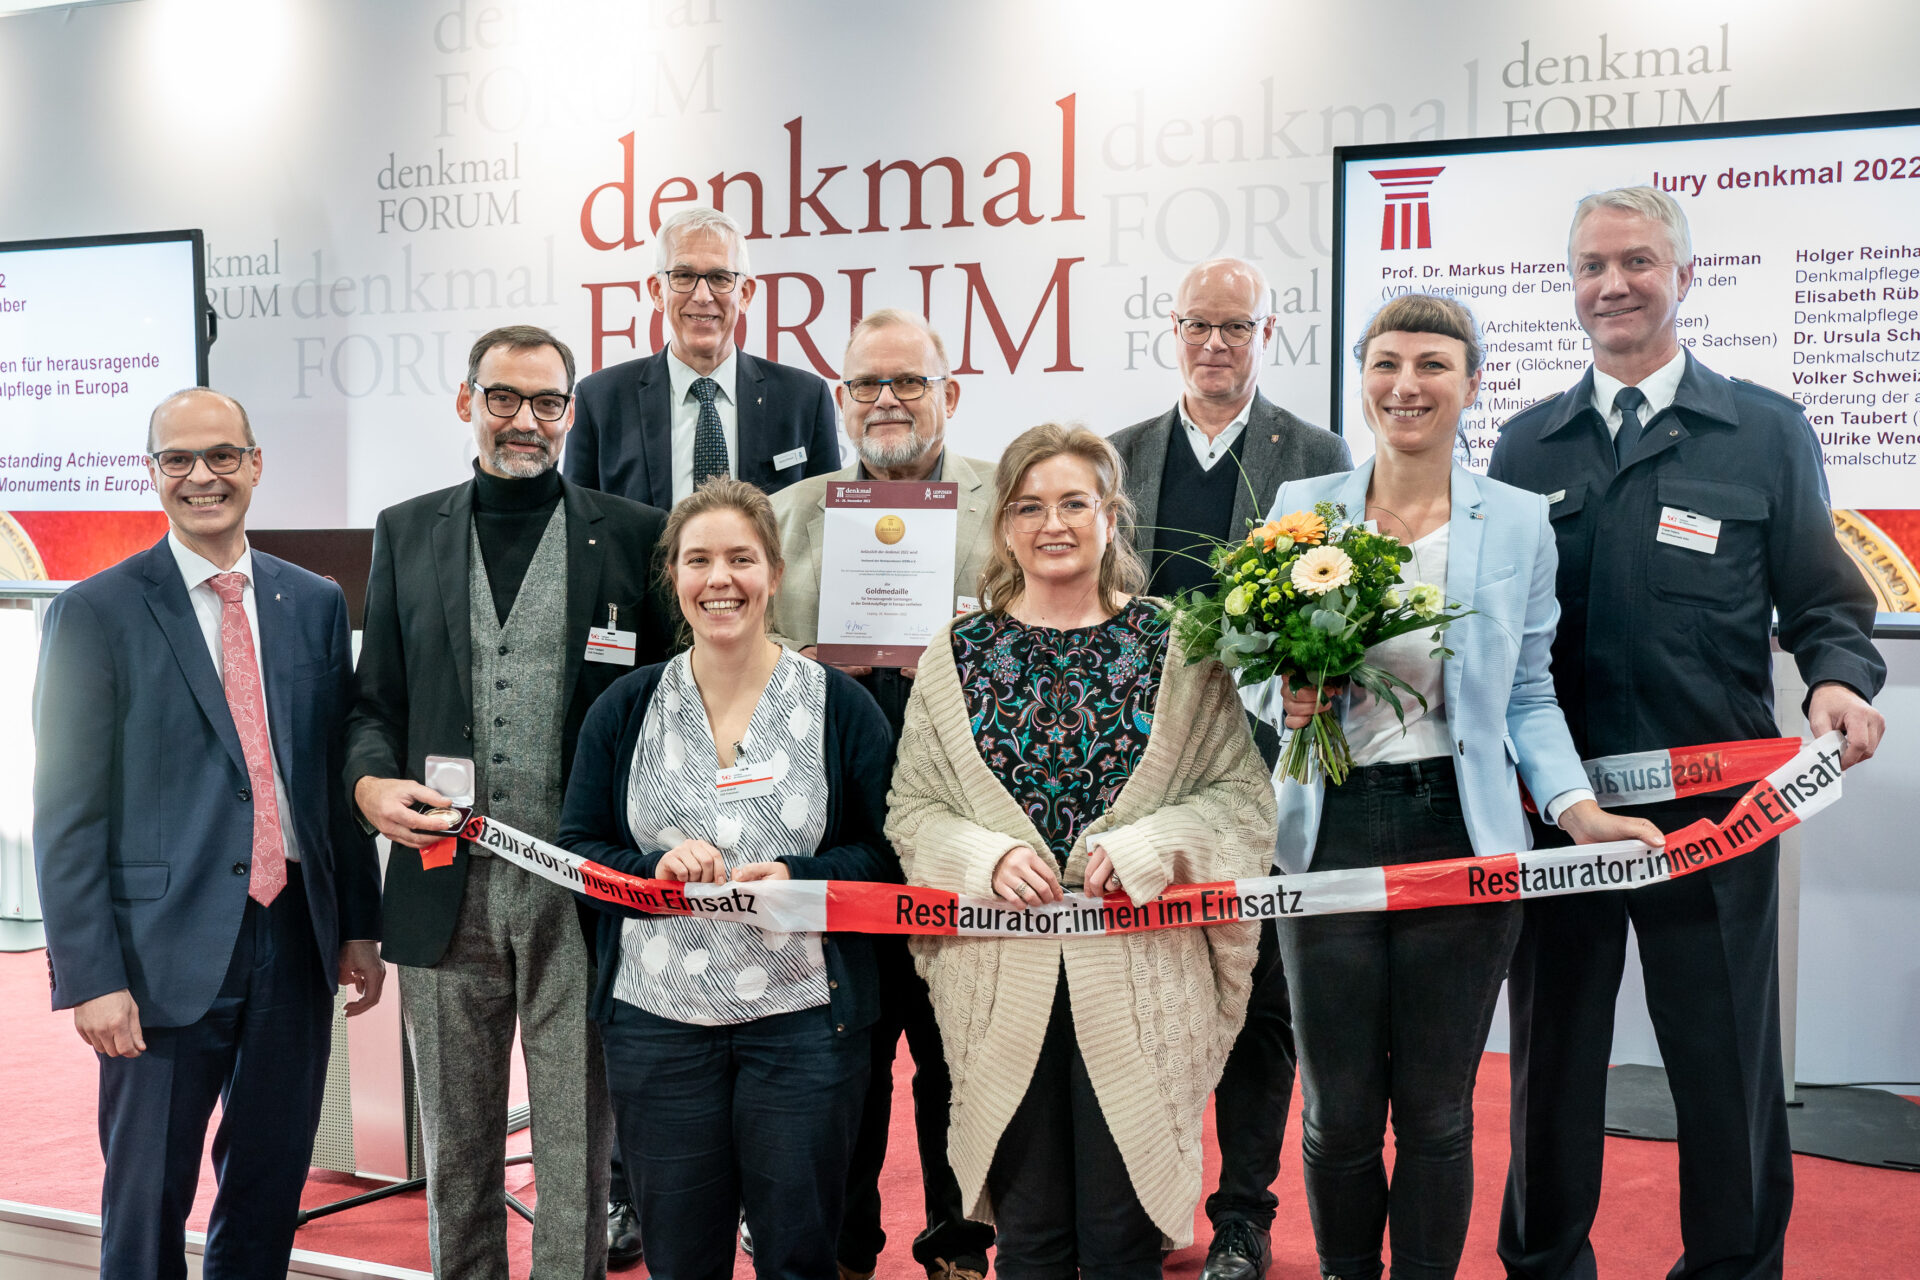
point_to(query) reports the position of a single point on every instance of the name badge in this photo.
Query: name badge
(606, 644)
(964, 605)
(1558, 495)
(743, 781)
(791, 458)
(1688, 529)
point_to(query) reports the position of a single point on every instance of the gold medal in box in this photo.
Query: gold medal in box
(890, 529)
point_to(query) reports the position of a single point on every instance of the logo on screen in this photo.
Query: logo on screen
(1405, 222)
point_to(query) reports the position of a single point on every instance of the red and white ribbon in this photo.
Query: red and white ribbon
(1790, 793)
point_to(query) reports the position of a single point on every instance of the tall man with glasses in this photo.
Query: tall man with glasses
(204, 885)
(1688, 508)
(1199, 472)
(477, 646)
(896, 396)
(653, 428)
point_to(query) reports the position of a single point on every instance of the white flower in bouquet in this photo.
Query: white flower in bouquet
(1321, 570)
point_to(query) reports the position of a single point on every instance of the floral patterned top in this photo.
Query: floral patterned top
(1062, 717)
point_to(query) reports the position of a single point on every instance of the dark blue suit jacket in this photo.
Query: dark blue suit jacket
(142, 813)
(622, 437)
(1665, 646)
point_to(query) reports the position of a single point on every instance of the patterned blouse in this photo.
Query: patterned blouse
(708, 972)
(1062, 717)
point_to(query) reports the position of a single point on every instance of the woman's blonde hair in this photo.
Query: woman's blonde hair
(719, 493)
(1121, 573)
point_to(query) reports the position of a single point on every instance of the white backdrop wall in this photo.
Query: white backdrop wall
(381, 181)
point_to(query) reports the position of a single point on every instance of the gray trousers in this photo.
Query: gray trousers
(516, 952)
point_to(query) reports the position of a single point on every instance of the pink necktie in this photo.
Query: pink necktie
(247, 702)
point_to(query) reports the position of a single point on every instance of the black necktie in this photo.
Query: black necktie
(709, 442)
(1629, 401)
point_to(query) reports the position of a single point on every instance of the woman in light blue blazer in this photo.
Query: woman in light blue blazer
(1391, 1009)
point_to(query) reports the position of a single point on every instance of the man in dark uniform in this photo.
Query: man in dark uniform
(1687, 509)
(1197, 473)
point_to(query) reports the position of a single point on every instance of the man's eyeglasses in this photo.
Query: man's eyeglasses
(907, 386)
(505, 402)
(1235, 333)
(221, 459)
(683, 281)
(1028, 516)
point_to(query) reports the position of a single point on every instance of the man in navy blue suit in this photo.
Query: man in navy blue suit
(652, 429)
(204, 883)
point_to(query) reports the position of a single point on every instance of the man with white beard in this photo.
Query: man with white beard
(896, 395)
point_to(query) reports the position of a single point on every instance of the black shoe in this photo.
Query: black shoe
(746, 1236)
(623, 1236)
(1239, 1252)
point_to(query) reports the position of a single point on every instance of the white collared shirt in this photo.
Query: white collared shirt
(1207, 452)
(686, 416)
(196, 569)
(1659, 387)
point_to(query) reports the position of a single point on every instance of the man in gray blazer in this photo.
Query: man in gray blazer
(1197, 474)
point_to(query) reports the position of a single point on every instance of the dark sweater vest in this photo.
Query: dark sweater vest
(1195, 504)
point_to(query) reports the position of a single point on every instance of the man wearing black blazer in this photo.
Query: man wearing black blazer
(204, 884)
(1200, 471)
(651, 429)
(497, 611)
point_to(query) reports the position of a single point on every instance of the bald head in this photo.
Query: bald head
(195, 396)
(1236, 275)
(1219, 375)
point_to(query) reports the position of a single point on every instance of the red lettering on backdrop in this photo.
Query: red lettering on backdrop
(660, 197)
(1067, 212)
(812, 198)
(624, 185)
(1062, 331)
(816, 300)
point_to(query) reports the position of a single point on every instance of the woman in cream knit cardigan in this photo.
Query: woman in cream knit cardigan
(1061, 741)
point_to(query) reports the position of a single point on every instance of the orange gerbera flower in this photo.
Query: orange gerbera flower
(1265, 536)
(1304, 527)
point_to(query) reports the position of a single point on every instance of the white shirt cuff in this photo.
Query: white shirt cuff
(1564, 801)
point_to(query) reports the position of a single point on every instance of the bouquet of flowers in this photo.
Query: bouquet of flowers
(1305, 597)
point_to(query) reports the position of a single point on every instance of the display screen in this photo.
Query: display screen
(1806, 242)
(93, 333)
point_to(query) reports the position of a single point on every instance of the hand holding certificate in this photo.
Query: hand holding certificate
(886, 569)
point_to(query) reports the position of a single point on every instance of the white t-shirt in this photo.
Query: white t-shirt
(1373, 731)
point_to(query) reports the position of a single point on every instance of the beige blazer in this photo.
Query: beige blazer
(1154, 1014)
(801, 509)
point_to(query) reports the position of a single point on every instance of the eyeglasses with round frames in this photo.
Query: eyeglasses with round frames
(683, 281)
(505, 402)
(1235, 333)
(1026, 515)
(906, 386)
(221, 459)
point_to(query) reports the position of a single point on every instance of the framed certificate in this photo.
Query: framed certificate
(886, 569)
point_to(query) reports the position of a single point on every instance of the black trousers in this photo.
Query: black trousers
(757, 1115)
(1059, 1186)
(261, 1052)
(905, 1009)
(1392, 1010)
(1709, 947)
(1250, 1102)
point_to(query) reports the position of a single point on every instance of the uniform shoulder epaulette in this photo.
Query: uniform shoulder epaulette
(1761, 386)
(1547, 399)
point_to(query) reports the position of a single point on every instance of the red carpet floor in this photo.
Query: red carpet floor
(1849, 1222)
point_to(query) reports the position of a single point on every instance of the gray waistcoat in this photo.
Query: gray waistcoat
(518, 699)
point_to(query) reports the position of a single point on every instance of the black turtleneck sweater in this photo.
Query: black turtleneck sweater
(510, 516)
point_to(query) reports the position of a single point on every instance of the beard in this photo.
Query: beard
(521, 466)
(905, 452)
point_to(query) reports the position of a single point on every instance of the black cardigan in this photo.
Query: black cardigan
(859, 759)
